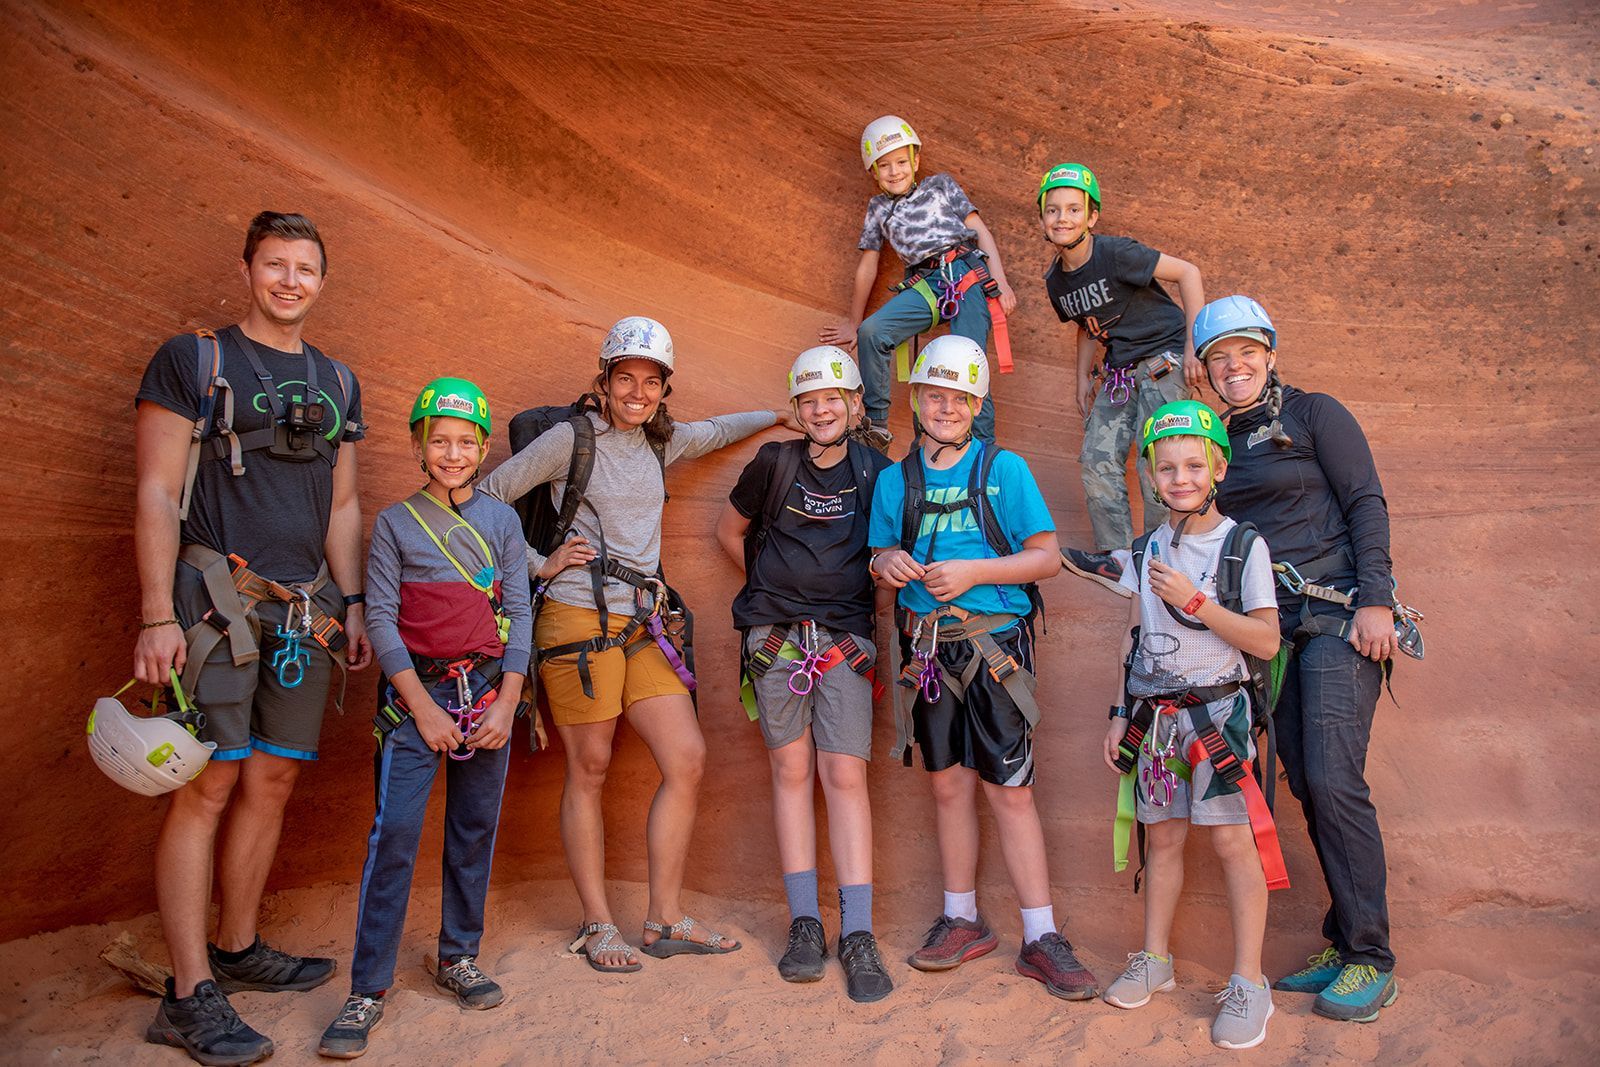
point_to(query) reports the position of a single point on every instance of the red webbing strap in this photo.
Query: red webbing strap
(997, 315)
(1261, 823)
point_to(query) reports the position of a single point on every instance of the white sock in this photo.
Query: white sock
(962, 905)
(1036, 922)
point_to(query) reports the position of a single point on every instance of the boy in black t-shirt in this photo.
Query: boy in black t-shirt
(1110, 287)
(797, 523)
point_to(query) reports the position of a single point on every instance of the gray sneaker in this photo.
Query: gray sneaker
(472, 988)
(346, 1037)
(1147, 974)
(1241, 1020)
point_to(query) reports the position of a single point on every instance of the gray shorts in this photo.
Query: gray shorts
(838, 709)
(1189, 800)
(247, 708)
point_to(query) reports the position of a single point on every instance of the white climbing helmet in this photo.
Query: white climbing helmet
(823, 367)
(953, 362)
(637, 337)
(883, 136)
(149, 755)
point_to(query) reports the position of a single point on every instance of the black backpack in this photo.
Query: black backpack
(977, 501)
(544, 525)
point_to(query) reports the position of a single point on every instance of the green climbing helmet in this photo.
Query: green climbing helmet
(454, 397)
(1185, 418)
(1070, 176)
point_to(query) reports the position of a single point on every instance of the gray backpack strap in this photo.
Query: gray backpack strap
(453, 535)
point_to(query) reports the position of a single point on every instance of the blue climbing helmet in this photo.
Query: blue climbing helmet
(1232, 316)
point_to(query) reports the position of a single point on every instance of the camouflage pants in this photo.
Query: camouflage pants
(1108, 433)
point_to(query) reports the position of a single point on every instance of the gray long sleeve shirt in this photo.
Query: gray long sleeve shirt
(624, 498)
(418, 603)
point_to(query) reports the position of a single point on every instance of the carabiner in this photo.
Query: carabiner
(1120, 386)
(1289, 578)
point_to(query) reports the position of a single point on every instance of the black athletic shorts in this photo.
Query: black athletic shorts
(986, 731)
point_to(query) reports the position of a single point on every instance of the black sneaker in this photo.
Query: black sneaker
(1104, 568)
(808, 947)
(206, 1027)
(472, 988)
(270, 971)
(346, 1037)
(865, 978)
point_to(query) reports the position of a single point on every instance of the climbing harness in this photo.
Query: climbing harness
(810, 651)
(923, 675)
(1407, 634)
(235, 591)
(1157, 716)
(945, 303)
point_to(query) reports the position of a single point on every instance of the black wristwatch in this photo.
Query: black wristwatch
(1118, 711)
(355, 598)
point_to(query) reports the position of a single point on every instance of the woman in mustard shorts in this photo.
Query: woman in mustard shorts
(595, 671)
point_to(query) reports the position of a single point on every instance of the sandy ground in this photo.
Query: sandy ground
(64, 1006)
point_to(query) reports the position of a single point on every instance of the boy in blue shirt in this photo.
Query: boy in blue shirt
(964, 560)
(953, 271)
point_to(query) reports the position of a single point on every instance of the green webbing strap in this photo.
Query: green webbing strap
(440, 523)
(902, 351)
(747, 685)
(1128, 810)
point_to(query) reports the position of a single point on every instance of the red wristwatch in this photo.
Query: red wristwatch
(1194, 605)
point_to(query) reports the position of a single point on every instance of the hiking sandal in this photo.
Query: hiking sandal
(674, 940)
(604, 945)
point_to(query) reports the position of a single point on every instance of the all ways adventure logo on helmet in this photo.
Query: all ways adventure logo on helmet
(453, 398)
(884, 135)
(1185, 418)
(1070, 176)
(823, 367)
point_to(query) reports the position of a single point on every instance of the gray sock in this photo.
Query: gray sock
(801, 888)
(855, 908)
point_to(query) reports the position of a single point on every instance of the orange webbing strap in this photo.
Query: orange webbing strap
(997, 315)
(1261, 822)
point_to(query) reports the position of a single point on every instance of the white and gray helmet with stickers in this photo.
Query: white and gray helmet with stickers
(637, 337)
(953, 362)
(884, 135)
(149, 755)
(823, 367)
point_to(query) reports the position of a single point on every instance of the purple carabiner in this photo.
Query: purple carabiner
(803, 674)
(1158, 775)
(1119, 386)
(949, 301)
(467, 722)
(928, 677)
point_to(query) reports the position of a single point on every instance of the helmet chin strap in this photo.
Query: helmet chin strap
(962, 442)
(1205, 506)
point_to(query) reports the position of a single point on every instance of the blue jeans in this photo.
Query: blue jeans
(405, 768)
(1324, 724)
(904, 316)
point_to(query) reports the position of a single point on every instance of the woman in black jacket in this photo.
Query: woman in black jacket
(1302, 472)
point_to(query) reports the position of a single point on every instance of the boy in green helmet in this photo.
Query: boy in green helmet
(1133, 352)
(1190, 721)
(452, 627)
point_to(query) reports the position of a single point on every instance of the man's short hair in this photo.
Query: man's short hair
(286, 227)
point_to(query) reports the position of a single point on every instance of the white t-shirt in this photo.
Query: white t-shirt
(1171, 657)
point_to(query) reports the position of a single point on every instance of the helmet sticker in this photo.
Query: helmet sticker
(451, 402)
(947, 374)
(1172, 422)
(806, 376)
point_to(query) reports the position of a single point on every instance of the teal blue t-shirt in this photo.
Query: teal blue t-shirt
(1015, 500)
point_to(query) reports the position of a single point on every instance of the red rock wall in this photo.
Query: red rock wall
(1415, 204)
